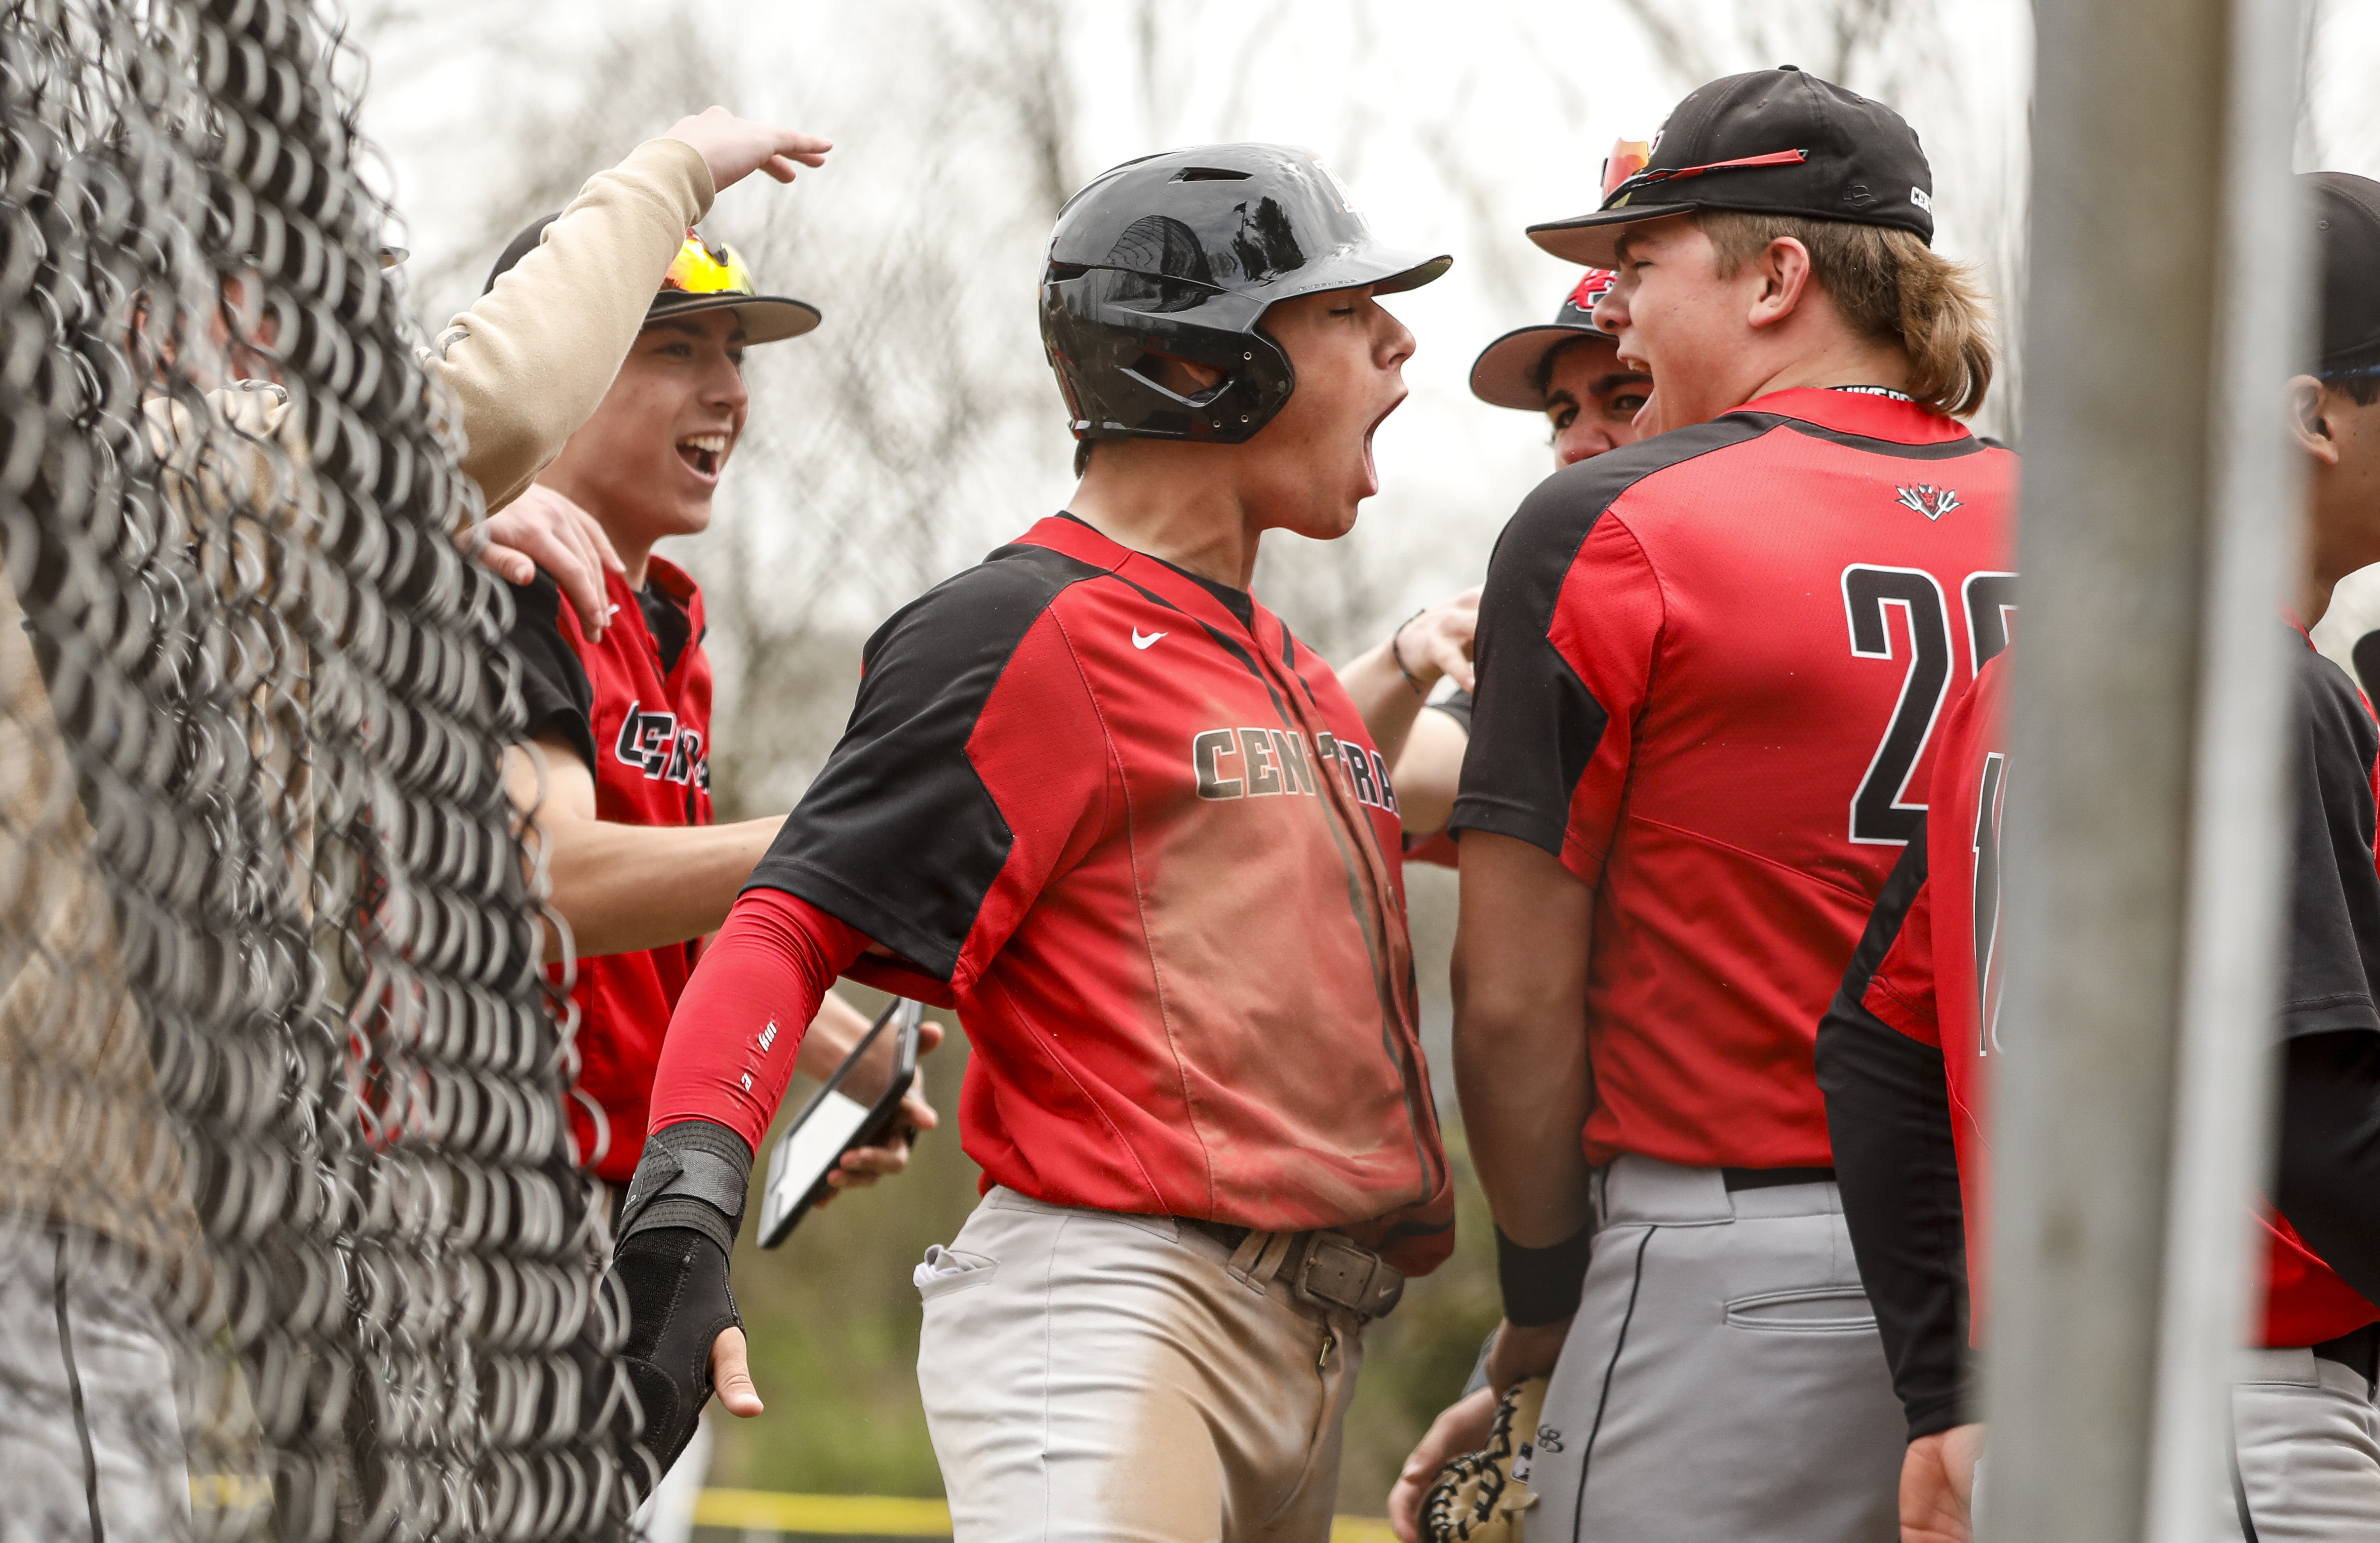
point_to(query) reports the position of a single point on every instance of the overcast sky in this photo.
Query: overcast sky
(1454, 124)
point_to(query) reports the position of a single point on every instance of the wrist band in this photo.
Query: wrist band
(1542, 1285)
(1396, 654)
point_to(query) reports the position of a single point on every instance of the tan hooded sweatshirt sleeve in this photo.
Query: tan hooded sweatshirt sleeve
(531, 360)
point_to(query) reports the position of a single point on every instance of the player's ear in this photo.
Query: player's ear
(2308, 426)
(1784, 270)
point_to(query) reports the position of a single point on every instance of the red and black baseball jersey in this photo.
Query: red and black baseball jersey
(1137, 833)
(1929, 967)
(637, 707)
(1709, 667)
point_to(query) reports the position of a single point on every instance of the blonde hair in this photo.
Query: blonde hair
(1888, 285)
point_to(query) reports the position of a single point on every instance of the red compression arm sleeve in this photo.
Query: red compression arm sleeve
(732, 1040)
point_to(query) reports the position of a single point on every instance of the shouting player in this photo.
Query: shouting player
(1709, 667)
(1905, 1051)
(1103, 802)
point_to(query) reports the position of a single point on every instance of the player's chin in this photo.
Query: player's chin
(1327, 519)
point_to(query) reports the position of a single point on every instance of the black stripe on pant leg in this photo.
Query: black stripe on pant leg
(74, 1392)
(1603, 1399)
(2240, 1485)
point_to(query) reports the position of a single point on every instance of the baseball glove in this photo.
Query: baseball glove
(1479, 1498)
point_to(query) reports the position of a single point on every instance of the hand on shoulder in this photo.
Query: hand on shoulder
(544, 530)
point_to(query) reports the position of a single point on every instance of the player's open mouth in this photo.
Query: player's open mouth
(1371, 471)
(704, 455)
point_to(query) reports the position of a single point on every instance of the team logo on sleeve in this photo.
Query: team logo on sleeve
(1257, 762)
(655, 745)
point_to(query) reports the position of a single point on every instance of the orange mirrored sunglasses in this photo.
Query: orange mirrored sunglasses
(1627, 158)
(698, 269)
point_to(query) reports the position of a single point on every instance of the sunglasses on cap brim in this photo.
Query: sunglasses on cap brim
(1617, 189)
(700, 269)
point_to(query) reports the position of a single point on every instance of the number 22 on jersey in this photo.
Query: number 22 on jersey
(1881, 813)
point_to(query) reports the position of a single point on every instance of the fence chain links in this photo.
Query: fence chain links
(278, 1064)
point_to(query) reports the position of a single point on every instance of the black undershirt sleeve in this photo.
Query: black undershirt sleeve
(2328, 1180)
(555, 687)
(1457, 706)
(1888, 1115)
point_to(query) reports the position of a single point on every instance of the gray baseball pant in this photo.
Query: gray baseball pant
(1723, 1377)
(2308, 1442)
(90, 1440)
(1114, 1379)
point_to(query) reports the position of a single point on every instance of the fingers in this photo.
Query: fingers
(863, 1166)
(929, 1035)
(918, 1112)
(731, 1375)
(1463, 1426)
(593, 528)
(512, 567)
(733, 148)
(1404, 1509)
(566, 540)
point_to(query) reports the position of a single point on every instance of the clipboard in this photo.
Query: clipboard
(835, 1123)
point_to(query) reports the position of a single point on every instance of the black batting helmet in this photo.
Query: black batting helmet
(1176, 256)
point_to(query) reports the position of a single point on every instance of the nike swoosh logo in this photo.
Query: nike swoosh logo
(1140, 642)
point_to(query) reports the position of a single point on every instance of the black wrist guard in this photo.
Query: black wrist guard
(677, 1228)
(693, 1174)
(1542, 1285)
(675, 1280)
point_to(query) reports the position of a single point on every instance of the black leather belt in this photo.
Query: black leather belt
(1772, 1178)
(2358, 1350)
(1326, 1268)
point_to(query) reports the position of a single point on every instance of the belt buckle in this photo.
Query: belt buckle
(1340, 1274)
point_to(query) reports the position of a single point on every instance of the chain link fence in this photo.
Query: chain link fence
(293, 1243)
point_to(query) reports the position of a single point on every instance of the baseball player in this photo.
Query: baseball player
(1098, 800)
(619, 720)
(1709, 668)
(1905, 1051)
(621, 792)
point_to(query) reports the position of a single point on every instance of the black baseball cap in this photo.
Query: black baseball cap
(1775, 142)
(2347, 231)
(1510, 371)
(700, 277)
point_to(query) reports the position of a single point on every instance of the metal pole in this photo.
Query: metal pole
(2142, 850)
(2223, 1114)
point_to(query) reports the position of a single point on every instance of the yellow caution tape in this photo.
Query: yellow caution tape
(890, 1516)
(850, 1515)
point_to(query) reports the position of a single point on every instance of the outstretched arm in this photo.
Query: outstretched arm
(722, 1070)
(1390, 683)
(530, 359)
